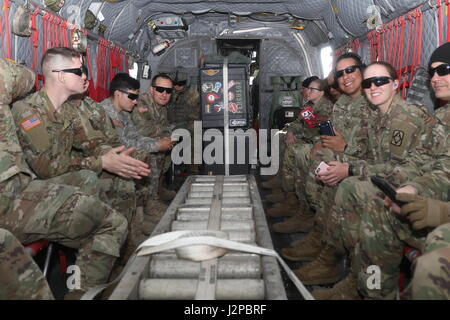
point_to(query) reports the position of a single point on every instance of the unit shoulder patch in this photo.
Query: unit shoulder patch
(397, 138)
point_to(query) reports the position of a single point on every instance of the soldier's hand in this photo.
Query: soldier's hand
(119, 161)
(165, 144)
(424, 212)
(290, 138)
(336, 143)
(395, 207)
(316, 147)
(337, 172)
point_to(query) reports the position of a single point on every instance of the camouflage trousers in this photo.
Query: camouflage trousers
(147, 188)
(63, 214)
(431, 278)
(382, 237)
(20, 277)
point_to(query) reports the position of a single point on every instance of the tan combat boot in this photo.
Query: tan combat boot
(273, 183)
(323, 270)
(302, 221)
(166, 194)
(282, 210)
(283, 197)
(343, 290)
(153, 211)
(308, 249)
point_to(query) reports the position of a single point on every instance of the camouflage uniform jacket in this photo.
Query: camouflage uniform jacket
(184, 108)
(94, 128)
(433, 160)
(47, 138)
(352, 118)
(127, 131)
(393, 135)
(298, 127)
(149, 120)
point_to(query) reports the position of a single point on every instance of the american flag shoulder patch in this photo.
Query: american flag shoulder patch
(30, 123)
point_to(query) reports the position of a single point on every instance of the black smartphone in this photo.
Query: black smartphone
(326, 128)
(387, 189)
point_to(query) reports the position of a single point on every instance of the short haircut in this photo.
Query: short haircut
(322, 84)
(58, 52)
(350, 55)
(162, 76)
(390, 69)
(123, 81)
(307, 81)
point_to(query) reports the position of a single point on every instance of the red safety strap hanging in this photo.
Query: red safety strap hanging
(447, 3)
(395, 25)
(45, 25)
(92, 89)
(6, 5)
(402, 24)
(35, 44)
(439, 9)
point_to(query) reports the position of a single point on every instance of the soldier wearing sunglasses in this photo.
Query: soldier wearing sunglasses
(151, 120)
(397, 128)
(350, 116)
(426, 196)
(58, 211)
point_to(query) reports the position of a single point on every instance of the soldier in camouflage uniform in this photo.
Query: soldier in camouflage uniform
(287, 138)
(350, 118)
(123, 97)
(33, 210)
(300, 132)
(151, 120)
(54, 135)
(184, 107)
(398, 128)
(20, 277)
(384, 233)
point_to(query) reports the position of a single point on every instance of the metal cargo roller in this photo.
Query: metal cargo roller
(229, 267)
(219, 203)
(186, 289)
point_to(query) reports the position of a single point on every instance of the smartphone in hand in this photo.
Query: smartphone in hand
(321, 167)
(387, 189)
(326, 128)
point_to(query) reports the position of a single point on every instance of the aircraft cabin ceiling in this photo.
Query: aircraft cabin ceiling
(131, 23)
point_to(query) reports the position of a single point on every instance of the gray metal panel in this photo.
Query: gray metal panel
(352, 14)
(277, 57)
(393, 8)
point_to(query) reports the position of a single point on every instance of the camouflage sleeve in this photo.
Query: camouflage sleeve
(21, 278)
(132, 138)
(295, 126)
(434, 161)
(44, 150)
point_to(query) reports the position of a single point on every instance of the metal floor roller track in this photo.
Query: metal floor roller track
(227, 203)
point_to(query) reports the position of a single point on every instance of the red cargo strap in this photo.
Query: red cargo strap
(6, 6)
(35, 44)
(447, 3)
(439, 9)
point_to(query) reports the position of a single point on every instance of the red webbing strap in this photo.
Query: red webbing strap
(1, 35)
(126, 64)
(395, 25)
(380, 39)
(402, 23)
(111, 62)
(417, 43)
(6, 6)
(35, 43)
(391, 42)
(45, 25)
(447, 3)
(92, 90)
(101, 85)
(405, 83)
(439, 9)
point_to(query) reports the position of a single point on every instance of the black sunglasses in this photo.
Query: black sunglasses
(317, 89)
(131, 96)
(347, 70)
(442, 70)
(377, 81)
(162, 89)
(180, 83)
(77, 71)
